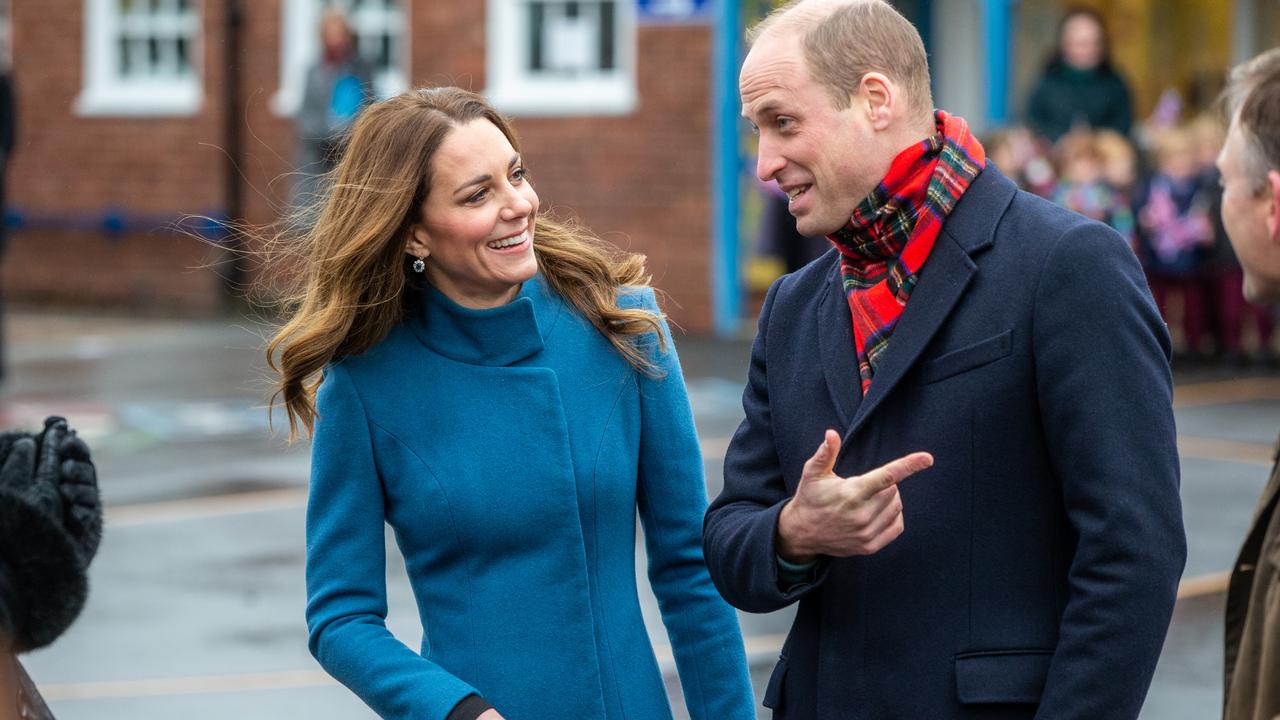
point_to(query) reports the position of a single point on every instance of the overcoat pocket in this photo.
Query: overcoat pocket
(1002, 676)
(967, 358)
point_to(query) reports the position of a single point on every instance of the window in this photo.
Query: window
(140, 58)
(559, 57)
(379, 28)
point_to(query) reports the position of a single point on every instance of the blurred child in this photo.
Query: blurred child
(1083, 187)
(1230, 314)
(1021, 157)
(1176, 231)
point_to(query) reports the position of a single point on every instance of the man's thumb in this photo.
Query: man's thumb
(823, 461)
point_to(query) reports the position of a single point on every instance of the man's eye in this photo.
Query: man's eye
(783, 123)
(755, 129)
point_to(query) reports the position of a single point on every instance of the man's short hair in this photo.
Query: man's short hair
(1252, 102)
(845, 40)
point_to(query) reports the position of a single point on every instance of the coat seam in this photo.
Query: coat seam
(453, 524)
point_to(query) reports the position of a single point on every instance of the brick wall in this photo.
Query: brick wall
(641, 180)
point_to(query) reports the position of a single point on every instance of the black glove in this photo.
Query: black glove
(50, 525)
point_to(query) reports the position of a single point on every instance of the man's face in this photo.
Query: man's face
(822, 157)
(1252, 221)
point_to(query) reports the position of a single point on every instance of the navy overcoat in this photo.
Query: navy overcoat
(1042, 551)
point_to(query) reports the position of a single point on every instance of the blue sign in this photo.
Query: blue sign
(673, 9)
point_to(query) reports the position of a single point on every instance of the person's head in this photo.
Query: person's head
(1176, 153)
(337, 39)
(1082, 40)
(1119, 161)
(1250, 167)
(836, 88)
(1209, 134)
(434, 174)
(1079, 158)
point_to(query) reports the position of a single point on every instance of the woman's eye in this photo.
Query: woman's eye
(519, 174)
(478, 195)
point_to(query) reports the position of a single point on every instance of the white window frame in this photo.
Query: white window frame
(105, 92)
(300, 47)
(513, 89)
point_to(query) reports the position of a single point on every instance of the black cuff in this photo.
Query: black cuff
(47, 580)
(471, 707)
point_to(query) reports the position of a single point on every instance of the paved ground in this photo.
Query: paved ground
(197, 600)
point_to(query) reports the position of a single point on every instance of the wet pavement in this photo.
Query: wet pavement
(197, 592)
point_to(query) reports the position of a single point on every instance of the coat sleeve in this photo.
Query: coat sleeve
(672, 496)
(1103, 383)
(741, 525)
(346, 570)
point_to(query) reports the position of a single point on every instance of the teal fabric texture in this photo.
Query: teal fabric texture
(509, 449)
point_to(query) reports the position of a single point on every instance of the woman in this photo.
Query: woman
(1079, 88)
(503, 392)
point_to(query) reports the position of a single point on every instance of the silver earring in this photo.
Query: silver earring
(419, 265)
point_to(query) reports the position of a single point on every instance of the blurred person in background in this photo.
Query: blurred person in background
(50, 526)
(502, 389)
(1250, 166)
(1176, 234)
(778, 236)
(337, 87)
(1079, 88)
(1001, 347)
(1231, 314)
(1021, 156)
(1084, 163)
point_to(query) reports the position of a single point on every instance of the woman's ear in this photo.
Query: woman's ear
(419, 242)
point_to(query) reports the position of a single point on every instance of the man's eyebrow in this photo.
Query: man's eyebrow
(767, 108)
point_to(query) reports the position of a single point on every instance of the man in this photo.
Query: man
(1030, 568)
(1250, 166)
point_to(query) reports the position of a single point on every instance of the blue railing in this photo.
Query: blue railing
(113, 223)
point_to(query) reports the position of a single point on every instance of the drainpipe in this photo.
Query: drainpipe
(233, 264)
(997, 21)
(726, 277)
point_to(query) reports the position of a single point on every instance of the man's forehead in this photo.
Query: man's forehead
(768, 72)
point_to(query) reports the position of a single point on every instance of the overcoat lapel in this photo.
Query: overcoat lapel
(942, 281)
(968, 230)
(836, 348)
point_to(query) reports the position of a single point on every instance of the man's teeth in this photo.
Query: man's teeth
(516, 240)
(797, 192)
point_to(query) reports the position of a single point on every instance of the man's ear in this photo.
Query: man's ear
(878, 97)
(419, 242)
(1273, 206)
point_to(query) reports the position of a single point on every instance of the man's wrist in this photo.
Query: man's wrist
(788, 541)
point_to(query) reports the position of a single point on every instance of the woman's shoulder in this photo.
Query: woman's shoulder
(638, 297)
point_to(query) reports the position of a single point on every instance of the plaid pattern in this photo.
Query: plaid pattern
(886, 242)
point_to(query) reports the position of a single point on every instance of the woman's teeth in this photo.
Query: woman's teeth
(509, 242)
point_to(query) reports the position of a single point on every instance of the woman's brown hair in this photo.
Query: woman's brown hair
(356, 283)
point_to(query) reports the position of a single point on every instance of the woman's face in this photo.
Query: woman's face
(476, 233)
(1082, 42)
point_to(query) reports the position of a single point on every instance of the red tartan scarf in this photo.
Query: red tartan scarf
(886, 242)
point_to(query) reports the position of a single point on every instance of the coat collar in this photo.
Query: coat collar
(969, 229)
(495, 336)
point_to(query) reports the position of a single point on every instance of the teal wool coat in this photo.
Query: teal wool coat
(509, 449)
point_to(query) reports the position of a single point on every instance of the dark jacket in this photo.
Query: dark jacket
(1252, 684)
(1040, 562)
(1065, 98)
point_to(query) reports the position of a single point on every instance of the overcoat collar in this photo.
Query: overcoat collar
(494, 336)
(968, 230)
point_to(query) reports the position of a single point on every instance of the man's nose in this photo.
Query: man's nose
(768, 162)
